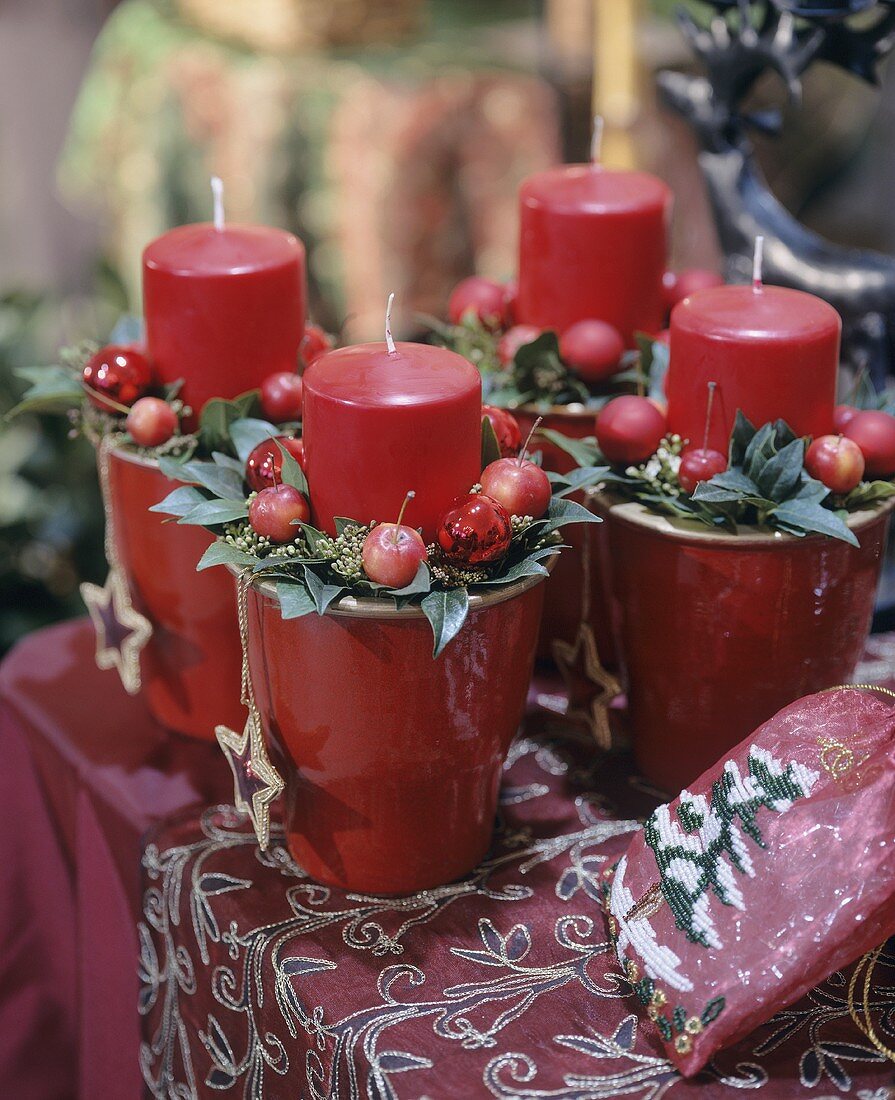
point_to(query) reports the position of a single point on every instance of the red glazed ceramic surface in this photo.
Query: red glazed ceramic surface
(563, 599)
(191, 665)
(392, 760)
(721, 631)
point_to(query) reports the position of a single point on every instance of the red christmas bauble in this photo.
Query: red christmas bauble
(281, 396)
(484, 298)
(151, 422)
(474, 530)
(836, 462)
(264, 466)
(513, 339)
(314, 344)
(629, 429)
(506, 428)
(592, 349)
(700, 464)
(119, 373)
(874, 433)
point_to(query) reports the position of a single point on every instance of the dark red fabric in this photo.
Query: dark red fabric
(85, 772)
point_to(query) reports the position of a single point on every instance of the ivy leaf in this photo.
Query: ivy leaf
(218, 416)
(213, 513)
(562, 511)
(53, 389)
(582, 478)
(422, 582)
(740, 438)
(490, 446)
(322, 594)
(868, 493)
(782, 473)
(446, 612)
(180, 501)
(246, 433)
(528, 567)
(313, 538)
(801, 517)
(295, 599)
(761, 447)
(228, 463)
(222, 553)
(223, 482)
(292, 474)
(584, 451)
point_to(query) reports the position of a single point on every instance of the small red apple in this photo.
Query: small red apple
(519, 485)
(835, 461)
(700, 464)
(314, 343)
(273, 511)
(663, 337)
(116, 375)
(680, 285)
(281, 396)
(151, 422)
(392, 552)
(506, 429)
(592, 349)
(265, 464)
(842, 415)
(629, 429)
(484, 298)
(513, 339)
(874, 433)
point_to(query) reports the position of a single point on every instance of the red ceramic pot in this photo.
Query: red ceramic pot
(190, 668)
(719, 631)
(564, 598)
(392, 760)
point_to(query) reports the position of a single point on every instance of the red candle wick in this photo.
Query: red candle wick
(389, 339)
(596, 142)
(217, 197)
(757, 262)
(524, 450)
(407, 499)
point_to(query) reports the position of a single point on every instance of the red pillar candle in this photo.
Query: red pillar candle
(592, 246)
(378, 423)
(773, 352)
(224, 306)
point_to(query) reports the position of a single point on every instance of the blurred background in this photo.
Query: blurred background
(390, 135)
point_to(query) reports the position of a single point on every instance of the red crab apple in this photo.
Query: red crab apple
(874, 433)
(116, 375)
(151, 422)
(835, 461)
(484, 298)
(506, 429)
(314, 343)
(629, 429)
(273, 511)
(513, 339)
(842, 415)
(392, 552)
(265, 464)
(281, 396)
(700, 464)
(592, 348)
(474, 530)
(519, 485)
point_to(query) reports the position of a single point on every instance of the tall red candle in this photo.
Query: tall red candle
(224, 307)
(378, 423)
(592, 246)
(773, 352)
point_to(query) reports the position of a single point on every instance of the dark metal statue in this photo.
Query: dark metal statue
(744, 39)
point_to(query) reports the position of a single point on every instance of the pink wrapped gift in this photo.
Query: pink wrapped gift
(774, 869)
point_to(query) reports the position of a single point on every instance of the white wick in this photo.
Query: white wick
(596, 140)
(757, 262)
(389, 339)
(217, 195)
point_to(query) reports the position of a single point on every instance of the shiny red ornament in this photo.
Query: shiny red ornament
(265, 464)
(700, 464)
(275, 512)
(592, 349)
(874, 433)
(475, 530)
(281, 396)
(121, 374)
(485, 299)
(314, 343)
(513, 339)
(506, 428)
(630, 429)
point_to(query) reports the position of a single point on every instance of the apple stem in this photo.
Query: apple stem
(389, 339)
(596, 141)
(708, 414)
(757, 263)
(117, 406)
(524, 450)
(411, 494)
(217, 198)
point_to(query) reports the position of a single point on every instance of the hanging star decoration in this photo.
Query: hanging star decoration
(589, 686)
(121, 631)
(256, 782)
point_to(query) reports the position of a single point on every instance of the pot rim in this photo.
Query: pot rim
(127, 455)
(368, 607)
(635, 514)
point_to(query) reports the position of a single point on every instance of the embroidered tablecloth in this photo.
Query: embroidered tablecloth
(256, 982)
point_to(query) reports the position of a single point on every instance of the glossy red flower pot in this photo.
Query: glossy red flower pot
(190, 667)
(564, 598)
(719, 631)
(391, 759)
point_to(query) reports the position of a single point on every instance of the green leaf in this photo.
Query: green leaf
(446, 612)
(218, 416)
(807, 517)
(222, 553)
(180, 501)
(868, 493)
(128, 330)
(584, 451)
(322, 594)
(295, 599)
(223, 482)
(562, 511)
(228, 463)
(341, 522)
(211, 513)
(172, 467)
(761, 447)
(292, 474)
(740, 438)
(779, 476)
(313, 537)
(583, 477)
(490, 446)
(53, 389)
(246, 434)
(422, 582)
(528, 567)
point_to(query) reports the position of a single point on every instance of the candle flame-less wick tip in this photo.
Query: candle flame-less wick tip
(596, 140)
(217, 195)
(389, 339)
(757, 264)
